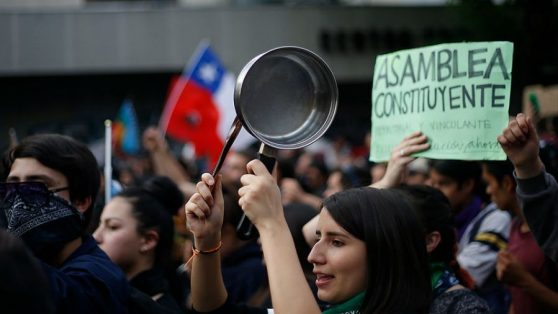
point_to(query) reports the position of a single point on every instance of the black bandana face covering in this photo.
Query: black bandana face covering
(43, 220)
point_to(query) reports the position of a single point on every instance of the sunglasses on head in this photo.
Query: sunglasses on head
(33, 193)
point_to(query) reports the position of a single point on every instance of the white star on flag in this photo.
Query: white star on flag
(210, 97)
(208, 72)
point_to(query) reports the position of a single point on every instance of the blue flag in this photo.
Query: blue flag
(125, 130)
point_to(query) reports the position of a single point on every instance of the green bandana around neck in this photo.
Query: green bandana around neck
(351, 306)
(436, 270)
(443, 278)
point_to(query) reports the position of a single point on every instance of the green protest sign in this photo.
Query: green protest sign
(458, 95)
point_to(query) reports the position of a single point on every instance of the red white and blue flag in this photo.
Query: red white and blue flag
(200, 106)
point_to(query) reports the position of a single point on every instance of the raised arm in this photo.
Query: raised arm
(204, 214)
(292, 192)
(400, 158)
(536, 189)
(164, 163)
(261, 201)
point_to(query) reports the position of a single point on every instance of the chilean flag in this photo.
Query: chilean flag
(200, 106)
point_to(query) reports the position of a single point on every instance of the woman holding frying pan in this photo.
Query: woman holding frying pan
(370, 256)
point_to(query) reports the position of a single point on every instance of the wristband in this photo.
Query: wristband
(198, 252)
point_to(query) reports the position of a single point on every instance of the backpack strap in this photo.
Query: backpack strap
(476, 226)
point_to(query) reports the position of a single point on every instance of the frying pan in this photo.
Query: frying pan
(287, 99)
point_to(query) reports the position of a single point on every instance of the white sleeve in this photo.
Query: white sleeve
(478, 257)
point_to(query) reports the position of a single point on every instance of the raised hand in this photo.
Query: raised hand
(153, 140)
(520, 142)
(204, 212)
(291, 190)
(401, 157)
(260, 197)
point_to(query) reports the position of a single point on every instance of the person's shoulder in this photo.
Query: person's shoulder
(90, 260)
(459, 301)
(88, 253)
(493, 214)
(500, 215)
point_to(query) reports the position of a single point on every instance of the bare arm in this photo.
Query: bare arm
(292, 192)
(540, 292)
(261, 201)
(164, 163)
(309, 231)
(204, 212)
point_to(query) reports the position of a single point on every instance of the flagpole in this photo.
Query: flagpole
(196, 56)
(108, 159)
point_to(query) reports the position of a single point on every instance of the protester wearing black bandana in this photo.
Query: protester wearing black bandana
(42, 219)
(51, 182)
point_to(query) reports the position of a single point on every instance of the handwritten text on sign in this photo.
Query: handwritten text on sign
(458, 95)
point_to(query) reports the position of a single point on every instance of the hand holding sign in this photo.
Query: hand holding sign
(400, 158)
(456, 94)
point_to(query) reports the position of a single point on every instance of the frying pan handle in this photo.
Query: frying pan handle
(268, 161)
(245, 229)
(233, 132)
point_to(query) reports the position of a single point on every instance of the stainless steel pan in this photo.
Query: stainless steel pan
(286, 98)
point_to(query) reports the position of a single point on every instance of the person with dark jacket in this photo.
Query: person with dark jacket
(51, 182)
(136, 231)
(536, 189)
(22, 279)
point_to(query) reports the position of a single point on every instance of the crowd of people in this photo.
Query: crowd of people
(337, 233)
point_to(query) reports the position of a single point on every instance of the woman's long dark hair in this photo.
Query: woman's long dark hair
(153, 206)
(398, 273)
(434, 212)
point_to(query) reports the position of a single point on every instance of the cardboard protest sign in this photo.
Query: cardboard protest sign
(458, 95)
